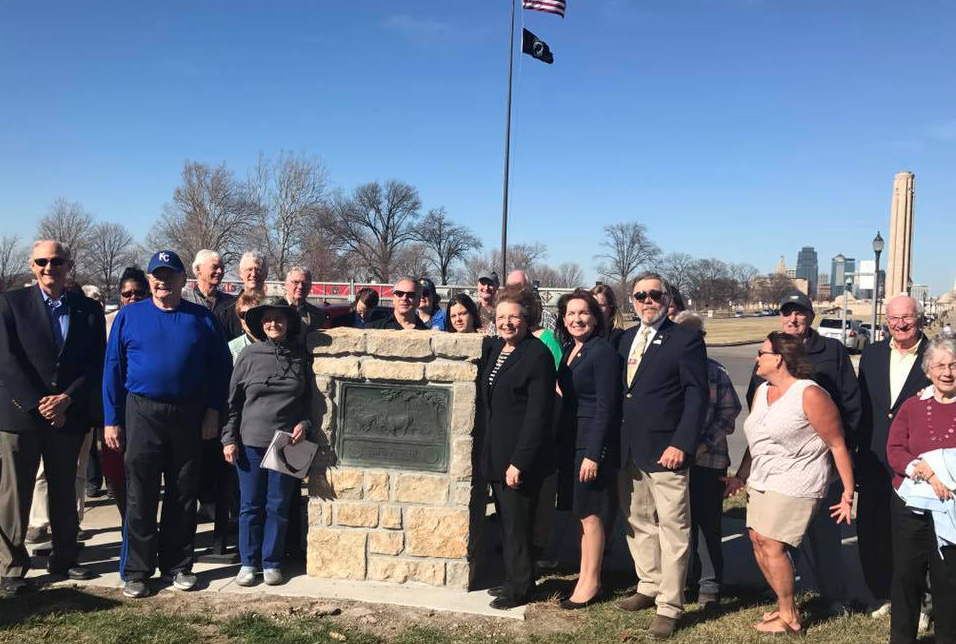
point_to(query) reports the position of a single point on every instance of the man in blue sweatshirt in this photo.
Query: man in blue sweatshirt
(164, 382)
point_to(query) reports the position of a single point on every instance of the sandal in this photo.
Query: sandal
(786, 629)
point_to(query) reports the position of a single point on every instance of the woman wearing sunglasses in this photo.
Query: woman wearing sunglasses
(428, 310)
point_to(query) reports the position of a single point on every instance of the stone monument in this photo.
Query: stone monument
(900, 249)
(392, 496)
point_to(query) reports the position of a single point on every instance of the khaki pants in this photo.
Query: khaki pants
(656, 506)
(40, 510)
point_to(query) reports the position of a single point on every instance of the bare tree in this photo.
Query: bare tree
(13, 258)
(678, 269)
(445, 242)
(286, 193)
(375, 223)
(627, 247)
(412, 260)
(109, 251)
(566, 275)
(209, 210)
(743, 274)
(476, 265)
(526, 257)
(773, 287)
(67, 222)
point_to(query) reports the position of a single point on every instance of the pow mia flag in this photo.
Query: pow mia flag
(535, 47)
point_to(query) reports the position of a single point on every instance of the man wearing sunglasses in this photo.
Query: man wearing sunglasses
(665, 404)
(834, 372)
(405, 297)
(51, 362)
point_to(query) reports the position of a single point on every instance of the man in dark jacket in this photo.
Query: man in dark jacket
(890, 372)
(834, 372)
(665, 403)
(51, 362)
(298, 285)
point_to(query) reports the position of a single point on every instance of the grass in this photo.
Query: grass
(72, 617)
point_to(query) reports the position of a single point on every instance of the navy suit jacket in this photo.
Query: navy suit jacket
(591, 399)
(31, 367)
(666, 403)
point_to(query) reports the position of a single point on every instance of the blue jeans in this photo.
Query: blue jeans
(263, 509)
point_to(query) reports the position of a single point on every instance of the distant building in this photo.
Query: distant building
(823, 290)
(807, 268)
(840, 268)
(919, 292)
(781, 267)
(791, 273)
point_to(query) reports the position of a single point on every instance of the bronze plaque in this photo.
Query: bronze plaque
(396, 426)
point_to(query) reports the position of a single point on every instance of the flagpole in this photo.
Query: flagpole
(504, 200)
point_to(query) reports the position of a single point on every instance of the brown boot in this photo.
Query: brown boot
(662, 627)
(636, 602)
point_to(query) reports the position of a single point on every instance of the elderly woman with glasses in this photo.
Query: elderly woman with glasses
(921, 450)
(793, 430)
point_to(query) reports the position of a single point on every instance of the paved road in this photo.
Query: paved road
(739, 362)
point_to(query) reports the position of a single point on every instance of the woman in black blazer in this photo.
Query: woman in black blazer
(590, 380)
(517, 382)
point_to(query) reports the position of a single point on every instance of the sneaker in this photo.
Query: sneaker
(925, 619)
(40, 534)
(136, 589)
(246, 576)
(185, 581)
(879, 610)
(272, 576)
(838, 609)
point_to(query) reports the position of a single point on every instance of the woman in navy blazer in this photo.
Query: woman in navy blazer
(517, 382)
(589, 377)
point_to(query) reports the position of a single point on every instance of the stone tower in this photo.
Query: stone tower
(901, 235)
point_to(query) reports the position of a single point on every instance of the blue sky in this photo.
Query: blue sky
(739, 129)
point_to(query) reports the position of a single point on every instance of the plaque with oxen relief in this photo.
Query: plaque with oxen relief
(395, 426)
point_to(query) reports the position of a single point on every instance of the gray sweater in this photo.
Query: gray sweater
(270, 391)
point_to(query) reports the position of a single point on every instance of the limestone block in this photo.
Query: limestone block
(451, 370)
(337, 341)
(376, 486)
(341, 367)
(398, 344)
(463, 408)
(324, 385)
(436, 532)
(457, 345)
(320, 485)
(462, 494)
(461, 458)
(386, 543)
(356, 515)
(457, 574)
(392, 370)
(400, 571)
(336, 554)
(421, 488)
(391, 517)
(346, 483)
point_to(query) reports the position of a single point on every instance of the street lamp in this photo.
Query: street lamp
(877, 249)
(849, 285)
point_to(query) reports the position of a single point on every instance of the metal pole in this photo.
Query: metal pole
(845, 289)
(876, 298)
(504, 199)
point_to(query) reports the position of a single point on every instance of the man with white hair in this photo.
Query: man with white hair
(298, 285)
(208, 270)
(890, 372)
(253, 271)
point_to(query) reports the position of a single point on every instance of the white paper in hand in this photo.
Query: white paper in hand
(282, 456)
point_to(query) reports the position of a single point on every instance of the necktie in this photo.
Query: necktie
(58, 309)
(637, 353)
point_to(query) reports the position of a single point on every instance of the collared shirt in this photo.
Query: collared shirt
(722, 411)
(900, 366)
(58, 312)
(650, 336)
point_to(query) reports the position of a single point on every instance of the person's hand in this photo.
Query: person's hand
(229, 453)
(513, 477)
(52, 405)
(589, 470)
(941, 490)
(672, 458)
(843, 509)
(733, 485)
(922, 472)
(59, 419)
(111, 437)
(298, 433)
(210, 425)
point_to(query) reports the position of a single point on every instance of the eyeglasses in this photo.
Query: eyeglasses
(897, 319)
(53, 261)
(131, 294)
(403, 295)
(940, 368)
(655, 295)
(761, 353)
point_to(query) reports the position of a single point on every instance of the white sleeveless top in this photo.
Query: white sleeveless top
(788, 456)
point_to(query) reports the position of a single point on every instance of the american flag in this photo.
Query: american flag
(551, 6)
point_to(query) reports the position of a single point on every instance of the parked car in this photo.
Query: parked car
(738, 314)
(856, 336)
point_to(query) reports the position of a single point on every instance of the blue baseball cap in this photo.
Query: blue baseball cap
(165, 259)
